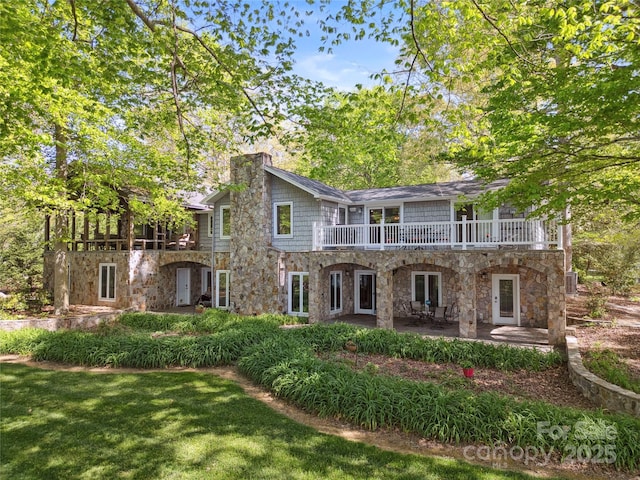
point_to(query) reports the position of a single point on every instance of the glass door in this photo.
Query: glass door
(365, 289)
(506, 299)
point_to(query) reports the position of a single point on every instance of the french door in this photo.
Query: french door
(426, 286)
(299, 293)
(365, 289)
(505, 293)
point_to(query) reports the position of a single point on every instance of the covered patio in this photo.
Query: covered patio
(517, 336)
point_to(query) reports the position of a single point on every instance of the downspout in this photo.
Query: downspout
(213, 255)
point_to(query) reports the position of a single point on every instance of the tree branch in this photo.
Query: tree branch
(175, 61)
(75, 20)
(153, 24)
(500, 32)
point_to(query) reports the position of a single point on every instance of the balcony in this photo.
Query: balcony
(464, 234)
(103, 242)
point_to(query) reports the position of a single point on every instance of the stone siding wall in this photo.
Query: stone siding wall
(255, 266)
(145, 279)
(541, 282)
(533, 295)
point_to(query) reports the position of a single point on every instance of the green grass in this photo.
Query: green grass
(77, 425)
(608, 365)
(289, 362)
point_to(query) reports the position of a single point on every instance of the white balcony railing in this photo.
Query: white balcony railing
(533, 234)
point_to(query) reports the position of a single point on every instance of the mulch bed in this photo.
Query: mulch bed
(552, 385)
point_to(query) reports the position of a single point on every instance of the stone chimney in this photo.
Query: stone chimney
(254, 266)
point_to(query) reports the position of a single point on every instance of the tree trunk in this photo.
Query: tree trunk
(60, 269)
(567, 241)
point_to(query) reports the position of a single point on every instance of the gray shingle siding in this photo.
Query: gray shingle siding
(306, 210)
(437, 211)
(329, 213)
(219, 244)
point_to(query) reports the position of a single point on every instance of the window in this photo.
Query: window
(283, 225)
(335, 294)
(225, 221)
(222, 288)
(342, 216)
(107, 282)
(210, 225)
(426, 286)
(299, 293)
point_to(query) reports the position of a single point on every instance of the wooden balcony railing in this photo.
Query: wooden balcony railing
(182, 242)
(531, 234)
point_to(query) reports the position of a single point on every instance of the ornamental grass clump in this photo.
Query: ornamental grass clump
(292, 369)
(141, 349)
(23, 341)
(332, 337)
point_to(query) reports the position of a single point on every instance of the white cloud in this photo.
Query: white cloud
(334, 71)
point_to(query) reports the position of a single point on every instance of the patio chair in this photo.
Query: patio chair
(439, 316)
(416, 310)
(452, 313)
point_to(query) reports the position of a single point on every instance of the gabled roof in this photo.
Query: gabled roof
(429, 191)
(314, 187)
(407, 193)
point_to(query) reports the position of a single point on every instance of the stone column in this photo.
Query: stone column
(556, 302)
(468, 327)
(384, 299)
(254, 268)
(315, 294)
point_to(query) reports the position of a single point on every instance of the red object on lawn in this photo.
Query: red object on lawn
(468, 372)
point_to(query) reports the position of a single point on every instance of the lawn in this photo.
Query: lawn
(77, 425)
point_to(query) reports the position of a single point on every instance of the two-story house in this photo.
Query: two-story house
(280, 242)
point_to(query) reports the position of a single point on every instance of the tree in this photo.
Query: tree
(603, 243)
(552, 99)
(357, 140)
(20, 249)
(111, 97)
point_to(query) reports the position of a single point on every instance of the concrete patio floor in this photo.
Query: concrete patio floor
(519, 336)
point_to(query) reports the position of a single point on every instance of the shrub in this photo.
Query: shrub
(596, 300)
(291, 369)
(608, 365)
(325, 337)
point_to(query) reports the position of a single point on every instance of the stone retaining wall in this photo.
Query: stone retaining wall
(53, 324)
(597, 390)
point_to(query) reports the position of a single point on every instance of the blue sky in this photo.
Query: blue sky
(348, 64)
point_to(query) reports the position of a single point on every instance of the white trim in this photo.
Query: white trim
(275, 220)
(222, 208)
(226, 288)
(495, 296)
(337, 294)
(298, 311)
(109, 287)
(210, 225)
(426, 285)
